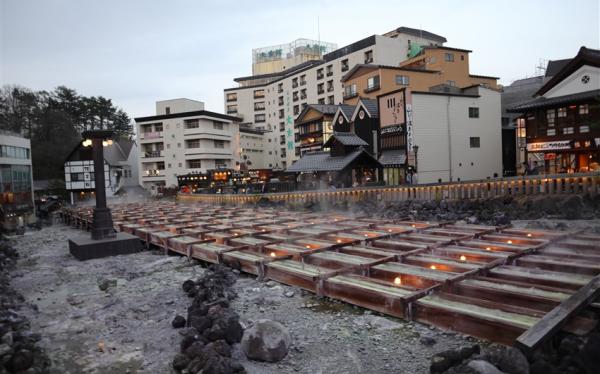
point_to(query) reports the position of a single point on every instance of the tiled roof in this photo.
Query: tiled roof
(347, 110)
(323, 161)
(371, 106)
(324, 108)
(554, 66)
(542, 102)
(346, 138)
(393, 157)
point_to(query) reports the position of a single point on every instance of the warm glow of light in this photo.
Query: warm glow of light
(308, 247)
(509, 241)
(488, 248)
(433, 267)
(263, 230)
(367, 235)
(272, 254)
(339, 240)
(529, 235)
(104, 143)
(389, 230)
(463, 258)
(413, 225)
(397, 281)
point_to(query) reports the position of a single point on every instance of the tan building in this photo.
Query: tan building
(432, 66)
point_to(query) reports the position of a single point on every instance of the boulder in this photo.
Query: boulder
(267, 341)
(178, 322)
(508, 359)
(484, 367)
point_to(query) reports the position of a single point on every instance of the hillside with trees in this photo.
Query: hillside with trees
(54, 122)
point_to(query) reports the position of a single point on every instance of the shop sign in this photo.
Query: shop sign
(391, 129)
(550, 156)
(549, 146)
(409, 127)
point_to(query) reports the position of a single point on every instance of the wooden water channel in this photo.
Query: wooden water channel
(490, 282)
(572, 184)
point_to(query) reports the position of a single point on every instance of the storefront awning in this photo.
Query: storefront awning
(396, 157)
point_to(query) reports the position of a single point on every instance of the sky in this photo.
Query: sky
(136, 52)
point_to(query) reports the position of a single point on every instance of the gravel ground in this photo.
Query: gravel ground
(127, 327)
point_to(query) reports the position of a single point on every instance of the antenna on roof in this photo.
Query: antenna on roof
(540, 68)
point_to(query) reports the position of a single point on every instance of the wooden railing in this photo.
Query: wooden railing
(573, 184)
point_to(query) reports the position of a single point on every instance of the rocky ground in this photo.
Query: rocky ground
(114, 315)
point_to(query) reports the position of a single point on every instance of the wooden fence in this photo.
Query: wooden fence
(574, 184)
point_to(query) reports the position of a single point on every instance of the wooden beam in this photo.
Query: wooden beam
(557, 317)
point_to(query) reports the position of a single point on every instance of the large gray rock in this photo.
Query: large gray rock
(267, 341)
(483, 367)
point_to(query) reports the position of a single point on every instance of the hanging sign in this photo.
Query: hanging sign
(549, 146)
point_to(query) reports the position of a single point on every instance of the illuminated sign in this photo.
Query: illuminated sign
(549, 146)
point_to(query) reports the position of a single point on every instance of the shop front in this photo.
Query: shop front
(565, 156)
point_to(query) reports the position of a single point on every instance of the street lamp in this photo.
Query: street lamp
(104, 241)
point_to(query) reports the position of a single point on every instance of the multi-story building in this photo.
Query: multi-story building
(272, 101)
(561, 124)
(16, 181)
(277, 58)
(252, 148)
(432, 66)
(183, 138)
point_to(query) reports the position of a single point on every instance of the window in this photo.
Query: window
(331, 100)
(167, 110)
(451, 83)
(329, 70)
(194, 164)
(303, 79)
(258, 118)
(562, 112)
(402, 80)
(77, 177)
(551, 132)
(281, 114)
(259, 94)
(322, 101)
(320, 88)
(521, 129)
(231, 109)
(373, 83)
(584, 129)
(14, 152)
(280, 100)
(260, 105)
(296, 109)
(160, 165)
(220, 164)
(219, 144)
(462, 57)
(192, 143)
(320, 74)
(449, 57)
(330, 86)
(584, 109)
(158, 127)
(294, 82)
(217, 125)
(368, 57)
(281, 126)
(232, 96)
(281, 139)
(295, 96)
(280, 88)
(345, 65)
(550, 116)
(191, 123)
(474, 142)
(303, 94)
(473, 112)
(568, 130)
(350, 91)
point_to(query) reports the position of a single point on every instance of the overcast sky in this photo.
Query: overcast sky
(137, 52)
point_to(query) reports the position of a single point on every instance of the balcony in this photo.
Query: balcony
(152, 154)
(208, 151)
(232, 111)
(153, 173)
(231, 99)
(151, 135)
(259, 108)
(259, 96)
(350, 95)
(372, 88)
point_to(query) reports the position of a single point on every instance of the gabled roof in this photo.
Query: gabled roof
(554, 66)
(345, 111)
(369, 105)
(323, 161)
(346, 138)
(325, 109)
(585, 56)
(542, 102)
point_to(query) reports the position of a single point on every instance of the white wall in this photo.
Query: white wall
(178, 106)
(442, 129)
(574, 84)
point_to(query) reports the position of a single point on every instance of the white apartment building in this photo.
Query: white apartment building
(252, 148)
(458, 134)
(183, 138)
(273, 101)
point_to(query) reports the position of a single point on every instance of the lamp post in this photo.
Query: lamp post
(416, 151)
(102, 224)
(104, 240)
